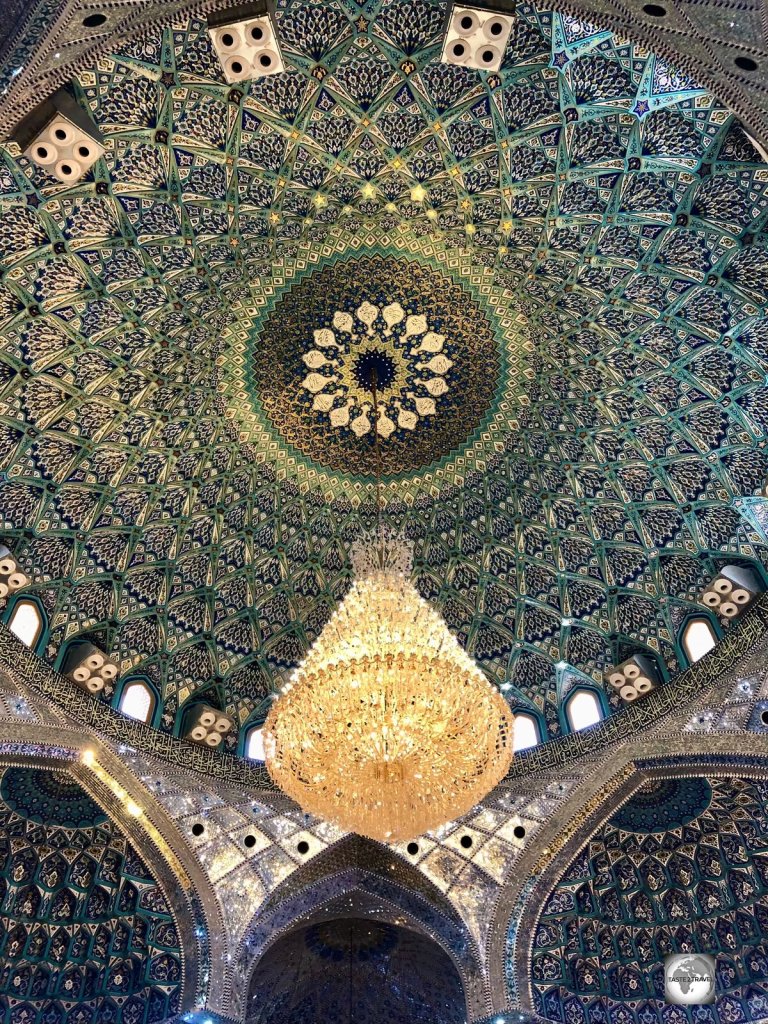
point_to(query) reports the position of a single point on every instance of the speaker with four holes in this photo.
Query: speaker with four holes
(207, 726)
(732, 591)
(477, 36)
(245, 41)
(634, 678)
(60, 137)
(89, 667)
(11, 576)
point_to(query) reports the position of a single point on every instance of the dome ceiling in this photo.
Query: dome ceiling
(643, 888)
(87, 934)
(557, 272)
(344, 969)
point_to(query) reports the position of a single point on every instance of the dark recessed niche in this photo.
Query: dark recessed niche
(94, 20)
(249, 841)
(198, 829)
(518, 832)
(764, 717)
(655, 10)
(745, 63)
(303, 846)
(412, 848)
(466, 842)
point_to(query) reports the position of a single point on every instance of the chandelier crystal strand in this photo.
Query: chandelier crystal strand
(388, 728)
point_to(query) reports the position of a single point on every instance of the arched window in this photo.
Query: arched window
(26, 622)
(583, 710)
(137, 701)
(526, 732)
(254, 747)
(698, 638)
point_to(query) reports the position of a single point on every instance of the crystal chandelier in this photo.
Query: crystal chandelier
(388, 728)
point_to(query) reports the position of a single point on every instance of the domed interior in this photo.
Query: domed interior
(557, 271)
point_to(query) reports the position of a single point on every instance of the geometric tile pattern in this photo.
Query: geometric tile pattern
(86, 935)
(642, 888)
(606, 211)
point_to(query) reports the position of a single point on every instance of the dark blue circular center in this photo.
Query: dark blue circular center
(662, 804)
(49, 798)
(376, 363)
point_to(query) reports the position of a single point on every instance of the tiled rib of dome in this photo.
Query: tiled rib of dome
(603, 213)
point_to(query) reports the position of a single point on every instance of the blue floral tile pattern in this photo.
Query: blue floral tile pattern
(638, 891)
(86, 934)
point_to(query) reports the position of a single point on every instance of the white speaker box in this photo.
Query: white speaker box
(634, 678)
(732, 591)
(245, 41)
(207, 726)
(476, 38)
(89, 667)
(11, 576)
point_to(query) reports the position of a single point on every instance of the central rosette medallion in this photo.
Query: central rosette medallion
(424, 334)
(399, 350)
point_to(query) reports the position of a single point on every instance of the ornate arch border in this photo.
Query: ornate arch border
(306, 892)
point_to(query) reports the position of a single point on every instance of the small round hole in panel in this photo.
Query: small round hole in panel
(413, 849)
(519, 832)
(94, 20)
(198, 828)
(249, 841)
(466, 842)
(745, 63)
(303, 847)
(655, 10)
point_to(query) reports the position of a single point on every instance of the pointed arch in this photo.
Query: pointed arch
(359, 866)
